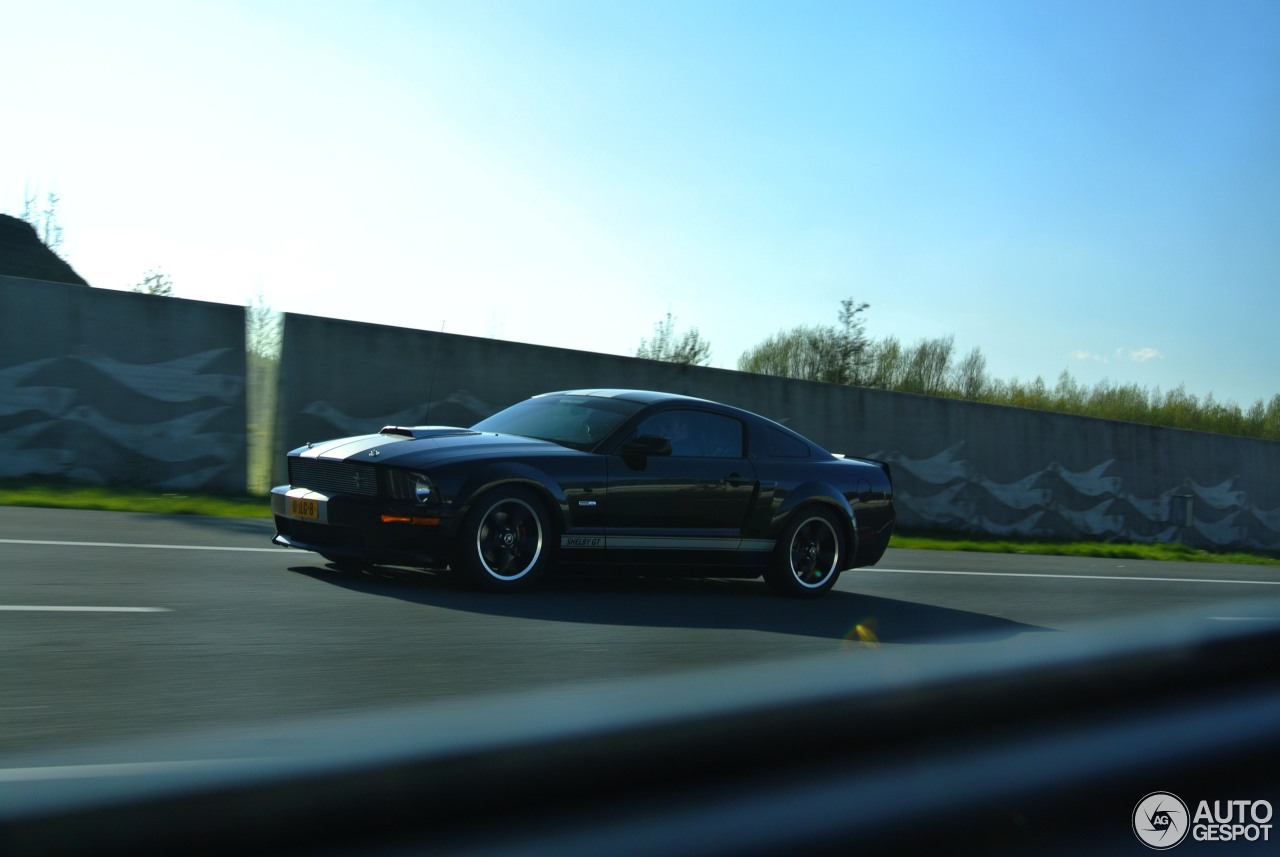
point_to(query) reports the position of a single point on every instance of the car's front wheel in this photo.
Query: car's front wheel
(809, 554)
(504, 544)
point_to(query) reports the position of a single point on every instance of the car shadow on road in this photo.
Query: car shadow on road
(672, 602)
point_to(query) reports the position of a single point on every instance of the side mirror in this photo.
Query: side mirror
(647, 445)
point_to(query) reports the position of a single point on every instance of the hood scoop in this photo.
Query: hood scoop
(425, 432)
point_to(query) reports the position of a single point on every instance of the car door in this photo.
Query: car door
(696, 499)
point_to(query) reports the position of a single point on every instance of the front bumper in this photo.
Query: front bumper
(359, 528)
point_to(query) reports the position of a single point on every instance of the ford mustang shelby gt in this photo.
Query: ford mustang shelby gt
(591, 479)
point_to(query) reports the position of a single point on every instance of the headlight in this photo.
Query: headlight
(423, 490)
(408, 485)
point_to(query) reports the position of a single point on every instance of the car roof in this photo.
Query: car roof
(647, 397)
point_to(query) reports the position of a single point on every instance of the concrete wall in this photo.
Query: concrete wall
(957, 465)
(112, 387)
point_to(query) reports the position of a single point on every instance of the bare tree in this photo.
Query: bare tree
(155, 283)
(970, 380)
(45, 222)
(887, 364)
(852, 342)
(263, 328)
(927, 366)
(688, 348)
(830, 353)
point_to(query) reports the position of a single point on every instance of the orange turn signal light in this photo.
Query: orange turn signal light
(410, 519)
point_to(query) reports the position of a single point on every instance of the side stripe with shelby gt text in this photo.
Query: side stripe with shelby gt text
(668, 543)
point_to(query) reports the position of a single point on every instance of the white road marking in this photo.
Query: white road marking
(43, 608)
(121, 769)
(1074, 576)
(130, 545)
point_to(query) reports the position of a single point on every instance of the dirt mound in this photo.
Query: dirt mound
(23, 254)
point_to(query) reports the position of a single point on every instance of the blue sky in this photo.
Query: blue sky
(1090, 186)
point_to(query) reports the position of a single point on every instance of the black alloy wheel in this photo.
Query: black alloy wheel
(504, 543)
(809, 554)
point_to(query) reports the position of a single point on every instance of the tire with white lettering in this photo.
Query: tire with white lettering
(809, 555)
(505, 541)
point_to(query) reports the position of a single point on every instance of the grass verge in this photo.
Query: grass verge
(1168, 552)
(54, 495)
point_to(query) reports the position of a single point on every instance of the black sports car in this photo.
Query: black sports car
(592, 479)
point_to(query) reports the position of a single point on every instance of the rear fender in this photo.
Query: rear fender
(818, 494)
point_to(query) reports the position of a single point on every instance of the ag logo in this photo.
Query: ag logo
(1160, 820)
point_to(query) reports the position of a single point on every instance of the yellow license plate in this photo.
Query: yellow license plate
(308, 509)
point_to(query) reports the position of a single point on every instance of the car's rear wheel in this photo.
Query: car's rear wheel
(504, 544)
(809, 554)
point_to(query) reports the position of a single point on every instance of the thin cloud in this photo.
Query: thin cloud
(1139, 355)
(1088, 355)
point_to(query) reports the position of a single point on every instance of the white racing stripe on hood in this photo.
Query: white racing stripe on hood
(352, 448)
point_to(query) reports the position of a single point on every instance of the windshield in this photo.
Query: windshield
(577, 421)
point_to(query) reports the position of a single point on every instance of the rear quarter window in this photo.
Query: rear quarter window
(780, 444)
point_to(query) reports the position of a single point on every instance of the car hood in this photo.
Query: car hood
(397, 445)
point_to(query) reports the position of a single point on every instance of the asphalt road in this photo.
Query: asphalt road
(117, 626)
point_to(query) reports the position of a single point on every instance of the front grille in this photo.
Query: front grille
(333, 477)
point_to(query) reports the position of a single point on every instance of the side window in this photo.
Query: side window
(779, 444)
(696, 434)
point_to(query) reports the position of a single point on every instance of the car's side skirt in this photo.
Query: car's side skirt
(666, 543)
